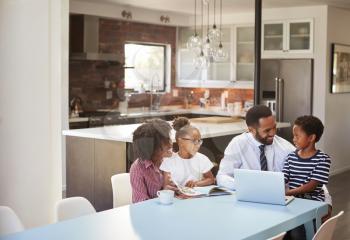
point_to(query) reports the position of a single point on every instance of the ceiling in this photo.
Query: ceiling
(229, 6)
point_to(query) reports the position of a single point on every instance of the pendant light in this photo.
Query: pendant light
(220, 54)
(214, 33)
(201, 62)
(194, 43)
(207, 44)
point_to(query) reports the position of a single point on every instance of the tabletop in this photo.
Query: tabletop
(221, 217)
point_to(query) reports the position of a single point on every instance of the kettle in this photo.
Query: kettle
(76, 106)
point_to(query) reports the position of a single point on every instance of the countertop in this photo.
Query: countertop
(123, 133)
(163, 112)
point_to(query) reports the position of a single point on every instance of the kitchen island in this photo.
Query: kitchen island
(93, 155)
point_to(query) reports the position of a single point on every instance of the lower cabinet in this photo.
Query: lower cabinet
(90, 165)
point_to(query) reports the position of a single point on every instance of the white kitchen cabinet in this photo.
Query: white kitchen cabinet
(244, 54)
(218, 74)
(287, 38)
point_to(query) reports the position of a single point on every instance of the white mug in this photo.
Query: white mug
(166, 196)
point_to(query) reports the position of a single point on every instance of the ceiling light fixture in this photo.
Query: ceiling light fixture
(221, 54)
(194, 43)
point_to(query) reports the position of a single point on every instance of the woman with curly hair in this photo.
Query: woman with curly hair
(151, 143)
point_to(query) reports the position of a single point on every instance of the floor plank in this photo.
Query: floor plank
(339, 188)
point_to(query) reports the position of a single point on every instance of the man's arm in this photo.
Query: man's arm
(230, 161)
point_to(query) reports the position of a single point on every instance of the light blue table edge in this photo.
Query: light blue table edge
(305, 218)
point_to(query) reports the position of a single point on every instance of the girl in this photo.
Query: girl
(187, 167)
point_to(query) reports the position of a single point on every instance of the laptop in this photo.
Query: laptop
(261, 187)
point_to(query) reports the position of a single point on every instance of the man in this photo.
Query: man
(258, 149)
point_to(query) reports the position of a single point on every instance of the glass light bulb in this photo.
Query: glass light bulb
(208, 48)
(215, 34)
(194, 43)
(201, 61)
(221, 55)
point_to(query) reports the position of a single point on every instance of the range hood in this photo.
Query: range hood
(85, 35)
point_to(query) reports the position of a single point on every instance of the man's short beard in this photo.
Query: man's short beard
(261, 139)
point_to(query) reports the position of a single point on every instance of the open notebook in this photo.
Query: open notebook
(207, 191)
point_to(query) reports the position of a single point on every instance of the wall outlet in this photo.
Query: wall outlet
(175, 93)
(109, 95)
(206, 94)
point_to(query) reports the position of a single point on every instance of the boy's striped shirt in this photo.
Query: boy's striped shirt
(298, 171)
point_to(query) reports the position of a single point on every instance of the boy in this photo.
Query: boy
(307, 169)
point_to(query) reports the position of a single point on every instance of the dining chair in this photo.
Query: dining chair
(122, 193)
(278, 237)
(9, 221)
(325, 232)
(73, 207)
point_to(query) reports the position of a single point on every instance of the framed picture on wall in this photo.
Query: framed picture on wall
(340, 68)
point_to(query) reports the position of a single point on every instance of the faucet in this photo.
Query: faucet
(154, 97)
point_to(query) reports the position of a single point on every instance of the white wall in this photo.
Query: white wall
(337, 119)
(112, 10)
(33, 102)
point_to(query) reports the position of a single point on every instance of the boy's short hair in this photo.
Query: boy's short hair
(310, 125)
(255, 113)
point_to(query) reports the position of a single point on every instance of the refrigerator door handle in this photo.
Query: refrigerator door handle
(277, 93)
(280, 99)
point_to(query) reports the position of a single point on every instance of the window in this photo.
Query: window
(145, 67)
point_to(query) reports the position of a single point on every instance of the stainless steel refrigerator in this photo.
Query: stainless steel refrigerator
(286, 87)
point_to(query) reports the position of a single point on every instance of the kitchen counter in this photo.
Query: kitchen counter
(78, 119)
(206, 111)
(215, 111)
(123, 133)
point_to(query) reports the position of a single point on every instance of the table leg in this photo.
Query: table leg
(309, 230)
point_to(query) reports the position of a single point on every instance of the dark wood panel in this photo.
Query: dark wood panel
(80, 167)
(109, 160)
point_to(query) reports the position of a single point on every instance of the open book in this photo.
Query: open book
(204, 191)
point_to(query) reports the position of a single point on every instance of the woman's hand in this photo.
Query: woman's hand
(168, 183)
(169, 187)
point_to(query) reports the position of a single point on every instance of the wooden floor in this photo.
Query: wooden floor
(339, 188)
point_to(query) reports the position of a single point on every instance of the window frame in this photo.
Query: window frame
(167, 69)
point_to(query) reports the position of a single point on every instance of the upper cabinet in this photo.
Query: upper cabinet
(280, 39)
(288, 38)
(222, 74)
(244, 54)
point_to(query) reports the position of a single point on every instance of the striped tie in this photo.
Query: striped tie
(263, 161)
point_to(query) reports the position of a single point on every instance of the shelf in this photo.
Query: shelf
(300, 35)
(273, 36)
(246, 42)
(245, 64)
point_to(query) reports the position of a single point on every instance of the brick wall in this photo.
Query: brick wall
(86, 78)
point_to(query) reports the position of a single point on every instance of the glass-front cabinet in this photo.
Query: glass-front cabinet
(244, 53)
(219, 74)
(273, 37)
(283, 38)
(300, 37)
